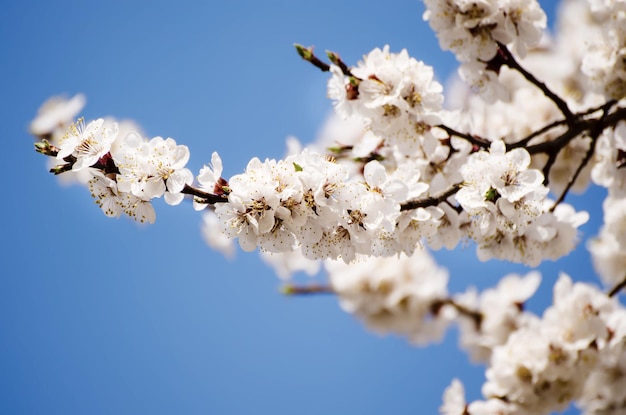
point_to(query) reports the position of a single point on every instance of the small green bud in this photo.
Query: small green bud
(492, 195)
(305, 53)
(44, 147)
(336, 150)
(61, 168)
(287, 289)
(334, 58)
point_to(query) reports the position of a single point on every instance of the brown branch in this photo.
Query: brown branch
(511, 62)
(596, 130)
(334, 58)
(526, 140)
(473, 315)
(617, 288)
(579, 115)
(308, 55)
(44, 147)
(430, 200)
(290, 289)
(583, 163)
(204, 197)
(547, 167)
(477, 141)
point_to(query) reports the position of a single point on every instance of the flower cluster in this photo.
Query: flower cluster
(403, 295)
(605, 64)
(507, 202)
(471, 28)
(394, 94)
(609, 248)
(474, 31)
(545, 363)
(306, 202)
(123, 170)
(501, 313)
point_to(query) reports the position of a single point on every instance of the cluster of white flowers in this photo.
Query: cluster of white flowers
(545, 363)
(609, 248)
(403, 295)
(472, 30)
(501, 311)
(307, 202)
(123, 170)
(394, 94)
(507, 202)
(605, 64)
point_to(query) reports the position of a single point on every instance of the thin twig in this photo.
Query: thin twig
(579, 115)
(475, 316)
(204, 197)
(290, 289)
(477, 141)
(547, 167)
(526, 140)
(617, 288)
(580, 168)
(595, 132)
(512, 63)
(430, 200)
(334, 58)
(308, 55)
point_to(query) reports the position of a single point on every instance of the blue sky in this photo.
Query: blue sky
(101, 316)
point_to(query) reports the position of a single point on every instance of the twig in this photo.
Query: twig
(526, 140)
(579, 115)
(204, 197)
(583, 163)
(546, 169)
(477, 141)
(290, 289)
(334, 58)
(617, 288)
(473, 315)
(511, 62)
(430, 200)
(595, 132)
(308, 55)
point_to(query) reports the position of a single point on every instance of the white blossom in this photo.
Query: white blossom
(471, 28)
(209, 179)
(153, 168)
(501, 311)
(86, 143)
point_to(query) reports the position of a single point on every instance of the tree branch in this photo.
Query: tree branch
(615, 290)
(473, 315)
(204, 197)
(430, 200)
(477, 141)
(511, 62)
(583, 163)
(595, 131)
(290, 289)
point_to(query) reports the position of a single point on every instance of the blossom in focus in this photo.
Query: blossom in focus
(87, 143)
(153, 168)
(209, 179)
